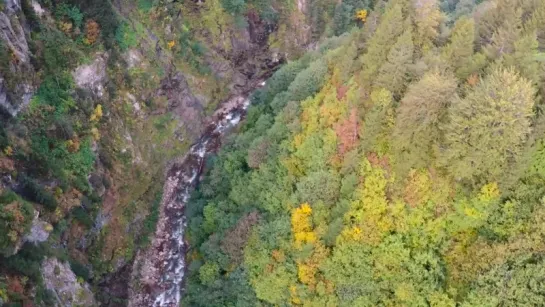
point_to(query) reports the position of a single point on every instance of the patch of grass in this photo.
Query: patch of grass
(145, 5)
(150, 223)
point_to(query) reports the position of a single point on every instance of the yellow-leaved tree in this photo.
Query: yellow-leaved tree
(301, 225)
(361, 15)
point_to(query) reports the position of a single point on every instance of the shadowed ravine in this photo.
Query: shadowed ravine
(158, 272)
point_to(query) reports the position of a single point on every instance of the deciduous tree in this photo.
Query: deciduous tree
(487, 127)
(418, 118)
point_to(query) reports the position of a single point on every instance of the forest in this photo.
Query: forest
(398, 164)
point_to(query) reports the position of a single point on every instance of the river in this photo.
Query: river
(158, 272)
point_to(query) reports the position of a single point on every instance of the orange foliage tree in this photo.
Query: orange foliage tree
(92, 32)
(347, 132)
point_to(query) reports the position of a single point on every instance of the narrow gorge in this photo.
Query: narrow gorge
(158, 272)
(250, 153)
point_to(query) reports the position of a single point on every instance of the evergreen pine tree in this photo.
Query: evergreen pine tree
(393, 74)
(378, 46)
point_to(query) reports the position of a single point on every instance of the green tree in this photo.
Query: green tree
(273, 287)
(308, 81)
(378, 46)
(501, 15)
(378, 122)
(350, 270)
(341, 18)
(464, 8)
(525, 58)
(487, 128)
(460, 48)
(393, 73)
(319, 186)
(209, 272)
(427, 17)
(537, 21)
(503, 39)
(344, 14)
(419, 115)
(514, 283)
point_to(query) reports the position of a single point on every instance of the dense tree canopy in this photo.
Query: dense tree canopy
(385, 175)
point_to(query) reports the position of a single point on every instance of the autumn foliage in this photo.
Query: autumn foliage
(347, 132)
(92, 32)
(301, 225)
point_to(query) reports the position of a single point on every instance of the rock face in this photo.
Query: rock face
(39, 232)
(59, 278)
(93, 77)
(16, 81)
(12, 101)
(183, 103)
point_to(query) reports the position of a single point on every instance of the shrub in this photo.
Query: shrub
(92, 32)
(80, 270)
(192, 51)
(145, 5)
(64, 127)
(34, 192)
(150, 222)
(55, 91)
(4, 142)
(235, 7)
(60, 53)
(82, 216)
(28, 260)
(16, 217)
(28, 11)
(44, 297)
(71, 12)
(101, 11)
(125, 37)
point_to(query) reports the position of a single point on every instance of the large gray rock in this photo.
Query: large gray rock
(39, 231)
(12, 6)
(14, 101)
(133, 58)
(12, 33)
(13, 37)
(94, 76)
(59, 278)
